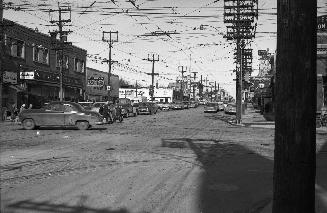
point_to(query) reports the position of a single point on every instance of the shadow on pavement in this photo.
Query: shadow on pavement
(33, 206)
(65, 128)
(235, 179)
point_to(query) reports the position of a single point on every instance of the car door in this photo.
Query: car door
(70, 113)
(53, 115)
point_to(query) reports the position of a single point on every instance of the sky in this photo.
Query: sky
(202, 50)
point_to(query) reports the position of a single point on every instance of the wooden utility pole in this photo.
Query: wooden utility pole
(110, 41)
(153, 59)
(295, 132)
(194, 83)
(240, 15)
(136, 88)
(63, 41)
(182, 70)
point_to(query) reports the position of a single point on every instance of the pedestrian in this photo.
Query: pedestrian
(13, 112)
(106, 111)
(30, 106)
(22, 108)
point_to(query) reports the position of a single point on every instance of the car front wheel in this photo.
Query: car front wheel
(82, 125)
(28, 124)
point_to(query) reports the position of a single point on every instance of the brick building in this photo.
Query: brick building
(31, 68)
(96, 85)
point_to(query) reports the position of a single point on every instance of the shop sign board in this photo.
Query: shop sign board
(10, 77)
(262, 52)
(26, 75)
(95, 81)
(322, 23)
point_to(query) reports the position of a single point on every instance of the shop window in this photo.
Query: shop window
(16, 47)
(79, 65)
(40, 54)
(65, 64)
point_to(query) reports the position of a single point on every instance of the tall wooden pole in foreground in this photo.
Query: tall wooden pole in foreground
(295, 133)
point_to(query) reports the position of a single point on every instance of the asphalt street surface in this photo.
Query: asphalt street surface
(175, 161)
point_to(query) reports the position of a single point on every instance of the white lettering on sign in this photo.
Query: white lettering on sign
(26, 75)
(95, 82)
(10, 77)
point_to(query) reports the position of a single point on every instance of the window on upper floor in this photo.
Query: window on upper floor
(79, 65)
(15, 47)
(65, 64)
(40, 54)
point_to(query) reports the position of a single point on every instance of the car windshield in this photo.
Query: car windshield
(78, 106)
(86, 104)
(143, 104)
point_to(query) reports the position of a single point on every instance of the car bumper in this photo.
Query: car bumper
(99, 123)
(144, 113)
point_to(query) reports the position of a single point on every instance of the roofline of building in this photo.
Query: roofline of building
(37, 32)
(96, 70)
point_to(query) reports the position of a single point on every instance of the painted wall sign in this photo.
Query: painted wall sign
(26, 75)
(10, 77)
(95, 81)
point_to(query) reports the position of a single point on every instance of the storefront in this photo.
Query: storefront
(40, 87)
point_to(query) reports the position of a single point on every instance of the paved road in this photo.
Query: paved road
(175, 161)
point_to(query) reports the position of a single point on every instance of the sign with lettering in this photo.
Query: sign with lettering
(10, 77)
(262, 52)
(26, 75)
(322, 23)
(95, 81)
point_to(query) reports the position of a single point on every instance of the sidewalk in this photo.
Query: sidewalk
(253, 118)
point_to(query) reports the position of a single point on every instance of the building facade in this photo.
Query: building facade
(31, 68)
(322, 63)
(97, 85)
(164, 95)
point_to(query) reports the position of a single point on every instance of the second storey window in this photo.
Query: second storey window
(79, 65)
(41, 54)
(65, 64)
(16, 47)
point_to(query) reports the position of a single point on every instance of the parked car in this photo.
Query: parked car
(193, 104)
(230, 109)
(221, 106)
(186, 104)
(146, 108)
(58, 113)
(155, 106)
(160, 105)
(165, 106)
(211, 107)
(126, 104)
(177, 105)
